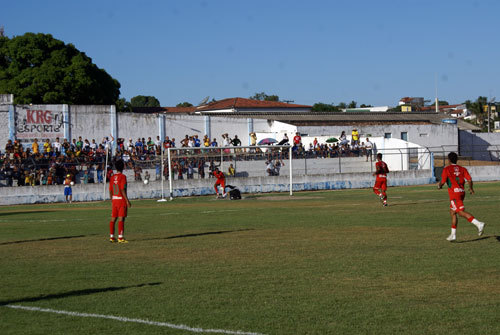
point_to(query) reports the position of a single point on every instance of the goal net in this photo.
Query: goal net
(249, 168)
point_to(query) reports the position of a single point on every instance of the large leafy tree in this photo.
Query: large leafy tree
(322, 107)
(264, 97)
(144, 101)
(38, 68)
(184, 104)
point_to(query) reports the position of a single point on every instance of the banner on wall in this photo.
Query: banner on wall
(35, 122)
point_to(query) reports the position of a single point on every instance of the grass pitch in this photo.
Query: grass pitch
(332, 262)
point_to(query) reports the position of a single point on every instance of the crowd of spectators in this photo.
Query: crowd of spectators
(48, 163)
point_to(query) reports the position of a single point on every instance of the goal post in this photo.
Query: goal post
(250, 168)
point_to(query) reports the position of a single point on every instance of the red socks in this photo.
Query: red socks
(112, 229)
(471, 219)
(121, 227)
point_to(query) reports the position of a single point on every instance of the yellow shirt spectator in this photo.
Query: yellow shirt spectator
(231, 171)
(34, 147)
(355, 135)
(46, 146)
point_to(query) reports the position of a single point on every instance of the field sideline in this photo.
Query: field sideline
(326, 262)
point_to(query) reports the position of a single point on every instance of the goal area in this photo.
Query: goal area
(242, 165)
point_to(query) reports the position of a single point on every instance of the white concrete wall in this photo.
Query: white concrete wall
(480, 146)
(4, 129)
(90, 122)
(137, 125)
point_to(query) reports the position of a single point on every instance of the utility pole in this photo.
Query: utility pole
(492, 100)
(436, 85)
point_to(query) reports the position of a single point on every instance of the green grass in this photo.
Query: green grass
(320, 263)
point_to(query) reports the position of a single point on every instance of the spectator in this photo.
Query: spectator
(285, 140)
(79, 143)
(201, 168)
(231, 171)
(93, 145)
(236, 141)
(277, 166)
(65, 146)
(270, 168)
(190, 170)
(297, 139)
(355, 137)
(9, 147)
(369, 149)
(34, 147)
(197, 142)
(46, 146)
(139, 146)
(343, 139)
(253, 139)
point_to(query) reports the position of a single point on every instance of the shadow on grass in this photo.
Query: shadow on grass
(194, 235)
(480, 239)
(75, 293)
(46, 239)
(413, 202)
(23, 212)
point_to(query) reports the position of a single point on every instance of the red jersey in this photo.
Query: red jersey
(219, 175)
(381, 170)
(455, 176)
(296, 139)
(117, 183)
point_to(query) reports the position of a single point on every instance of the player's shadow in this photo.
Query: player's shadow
(23, 212)
(46, 239)
(74, 293)
(194, 234)
(480, 239)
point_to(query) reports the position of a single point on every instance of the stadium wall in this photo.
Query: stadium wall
(4, 127)
(98, 121)
(479, 146)
(195, 187)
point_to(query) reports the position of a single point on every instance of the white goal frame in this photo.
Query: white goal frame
(222, 153)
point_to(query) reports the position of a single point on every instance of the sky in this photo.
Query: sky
(372, 52)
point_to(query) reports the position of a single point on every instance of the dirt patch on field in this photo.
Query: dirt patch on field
(279, 197)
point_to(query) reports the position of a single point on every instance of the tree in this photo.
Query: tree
(352, 104)
(184, 104)
(322, 107)
(477, 108)
(365, 106)
(264, 97)
(38, 68)
(342, 105)
(144, 101)
(122, 105)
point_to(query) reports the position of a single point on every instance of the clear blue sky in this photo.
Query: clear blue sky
(373, 52)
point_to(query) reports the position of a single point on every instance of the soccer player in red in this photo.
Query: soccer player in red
(221, 180)
(455, 176)
(119, 201)
(381, 171)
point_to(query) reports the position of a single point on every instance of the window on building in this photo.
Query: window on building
(388, 135)
(404, 136)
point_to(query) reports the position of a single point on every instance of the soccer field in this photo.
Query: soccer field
(333, 262)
